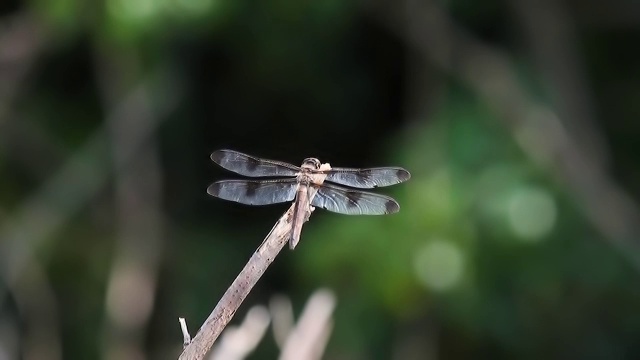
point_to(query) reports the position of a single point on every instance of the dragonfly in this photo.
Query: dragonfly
(298, 182)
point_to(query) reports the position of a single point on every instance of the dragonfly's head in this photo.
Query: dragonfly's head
(311, 163)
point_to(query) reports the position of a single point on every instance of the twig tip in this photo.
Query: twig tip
(186, 338)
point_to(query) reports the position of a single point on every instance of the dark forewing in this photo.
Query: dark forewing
(248, 165)
(254, 192)
(353, 202)
(368, 178)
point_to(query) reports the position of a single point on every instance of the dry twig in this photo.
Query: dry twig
(281, 318)
(244, 282)
(186, 338)
(237, 342)
(309, 338)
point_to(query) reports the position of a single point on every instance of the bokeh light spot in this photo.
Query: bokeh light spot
(439, 265)
(532, 213)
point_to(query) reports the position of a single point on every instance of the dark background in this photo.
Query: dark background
(518, 234)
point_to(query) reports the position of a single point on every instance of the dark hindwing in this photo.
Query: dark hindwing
(353, 202)
(248, 165)
(368, 178)
(254, 192)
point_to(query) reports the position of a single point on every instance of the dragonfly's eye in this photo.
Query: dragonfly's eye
(312, 162)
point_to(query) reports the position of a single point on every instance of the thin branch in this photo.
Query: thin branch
(281, 318)
(138, 192)
(239, 289)
(22, 38)
(244, 282)
(238, 342)
(553, 48)
(46, 210)
(309, 338)
(537, 129)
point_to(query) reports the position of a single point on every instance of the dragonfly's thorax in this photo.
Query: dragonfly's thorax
(306, 169)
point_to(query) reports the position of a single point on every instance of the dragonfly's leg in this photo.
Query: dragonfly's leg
(308, 213)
